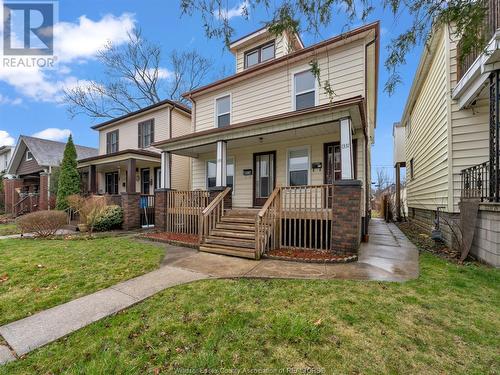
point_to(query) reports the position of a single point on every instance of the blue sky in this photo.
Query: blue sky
(30, 100)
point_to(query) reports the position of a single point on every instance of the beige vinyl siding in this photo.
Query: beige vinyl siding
(427, 140)
(243, 159)
(128, 130)
(469, 131)
(281, 48)
(181, 165)
(270, 93)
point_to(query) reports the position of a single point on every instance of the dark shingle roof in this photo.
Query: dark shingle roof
(50, 153)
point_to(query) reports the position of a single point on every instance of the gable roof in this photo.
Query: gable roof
(178, 105)
(46, 153)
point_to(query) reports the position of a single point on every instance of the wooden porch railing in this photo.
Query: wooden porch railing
(212, 214)
(27, 204)
(184, 209)
(295, 217)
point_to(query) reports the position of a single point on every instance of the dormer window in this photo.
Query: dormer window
(223, 111)
(260, 54)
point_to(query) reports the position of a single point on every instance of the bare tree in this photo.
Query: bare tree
(189, 71)
(134, 79)
(382, 179)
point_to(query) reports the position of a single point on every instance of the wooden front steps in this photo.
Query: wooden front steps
(233, 235)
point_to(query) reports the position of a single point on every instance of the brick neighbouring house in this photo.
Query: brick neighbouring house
(30, 169)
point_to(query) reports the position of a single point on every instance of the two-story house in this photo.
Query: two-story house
(292, 155)
(451, 136)
(5, 155)
(127, 162)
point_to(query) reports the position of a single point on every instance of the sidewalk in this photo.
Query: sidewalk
(389, 256)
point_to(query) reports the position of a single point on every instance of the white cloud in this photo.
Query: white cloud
(82, 40)
(9, 101)
(164, 73)
(238, 11)
(74, 43)
(6, 139)
(53, 134)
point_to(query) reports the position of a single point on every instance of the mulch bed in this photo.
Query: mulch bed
(311, 256)
(425, 243)
(181, 239)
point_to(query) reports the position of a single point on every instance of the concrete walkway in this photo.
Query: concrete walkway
(60, 232)
(389, 256)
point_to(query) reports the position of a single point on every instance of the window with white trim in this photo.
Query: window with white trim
(223, 111)
(29, 155)
(298, 167)
(304, 90)
(212, 171)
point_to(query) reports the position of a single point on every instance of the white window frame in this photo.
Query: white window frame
(216, 115)
(309, 175)
(316, 91)
(28, 157)
(228, 159)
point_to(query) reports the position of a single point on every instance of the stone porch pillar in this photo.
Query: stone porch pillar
(161, 209)
(346, 211)
(131, 210)
(43, 198)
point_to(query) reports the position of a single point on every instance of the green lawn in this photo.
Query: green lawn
(445, 322)
(7, 229)
(38, 274)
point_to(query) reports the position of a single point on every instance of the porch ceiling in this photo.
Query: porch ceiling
(321, 121)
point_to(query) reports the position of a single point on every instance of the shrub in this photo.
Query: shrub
(42, 223)
(69, 178)
(110, 218)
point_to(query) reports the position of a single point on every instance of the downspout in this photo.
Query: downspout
(365, 130)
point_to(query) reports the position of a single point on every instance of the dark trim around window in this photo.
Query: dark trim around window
(110, 146)
(140, 128)
(259, 50)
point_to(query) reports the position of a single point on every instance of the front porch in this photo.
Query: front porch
(297, 183)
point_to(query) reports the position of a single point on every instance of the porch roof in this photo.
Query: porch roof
(116, 157)
(320, 116)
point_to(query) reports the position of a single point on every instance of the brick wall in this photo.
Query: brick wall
(346, 210)
(43, 201)
(161, 209)
(11, 197)
(131, 211)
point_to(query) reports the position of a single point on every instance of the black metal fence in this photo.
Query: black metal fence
(477, 183)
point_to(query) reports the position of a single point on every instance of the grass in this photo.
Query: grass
(38, 274)
(8, 229)
(447, 321)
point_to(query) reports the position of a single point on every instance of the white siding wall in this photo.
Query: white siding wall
(270, 93)
(469, 131)
(427, 140)
(128, 130)
(243, 159)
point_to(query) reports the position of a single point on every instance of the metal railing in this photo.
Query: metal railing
(477, 183)
(491, 24)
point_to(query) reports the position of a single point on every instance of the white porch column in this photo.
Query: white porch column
(346, 148)
(166, 172)
(220, 177)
